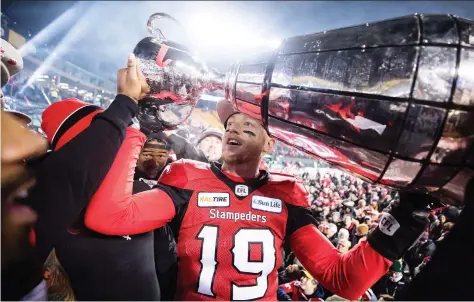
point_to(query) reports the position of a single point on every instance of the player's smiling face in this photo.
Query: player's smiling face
(244, 140)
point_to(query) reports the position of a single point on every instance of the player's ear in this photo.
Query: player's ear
(269, 144)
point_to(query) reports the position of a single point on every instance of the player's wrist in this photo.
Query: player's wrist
(399, 229)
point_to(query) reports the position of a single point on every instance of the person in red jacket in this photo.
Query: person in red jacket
(304, 289)
(231, 220)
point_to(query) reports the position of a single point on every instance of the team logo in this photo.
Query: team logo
(266, 204)
(241, 190)
(388, 224)
(211, 200)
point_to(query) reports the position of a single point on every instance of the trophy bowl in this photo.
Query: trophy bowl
(176, 79)
(391, 102)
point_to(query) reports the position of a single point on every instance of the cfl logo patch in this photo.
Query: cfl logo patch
(241, 190)
(388, 224)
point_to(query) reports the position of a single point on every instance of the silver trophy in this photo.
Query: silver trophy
(391, 102)
(176, 79)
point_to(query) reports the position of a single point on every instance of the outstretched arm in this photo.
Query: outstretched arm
(113, 210)
(349, 275)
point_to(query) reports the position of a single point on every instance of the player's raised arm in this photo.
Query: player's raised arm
(349, 275)
(113, 210)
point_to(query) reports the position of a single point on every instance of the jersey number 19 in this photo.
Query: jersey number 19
(241, 261)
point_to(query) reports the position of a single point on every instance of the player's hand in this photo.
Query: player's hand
(402, 225)
(131, 81)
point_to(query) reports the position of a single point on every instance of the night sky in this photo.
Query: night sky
(101, 34)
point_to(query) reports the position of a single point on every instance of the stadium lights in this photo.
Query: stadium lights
(203, 28)
(74, 34)
(49, 31)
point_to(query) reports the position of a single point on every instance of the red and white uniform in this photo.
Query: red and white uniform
(230, 232)
(293, 289)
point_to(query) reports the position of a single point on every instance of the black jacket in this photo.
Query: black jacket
(334, 240)
(385, 286)
(120, 267)
(66, 181)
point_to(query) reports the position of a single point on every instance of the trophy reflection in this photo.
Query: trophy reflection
(390, 102)
(176, 79)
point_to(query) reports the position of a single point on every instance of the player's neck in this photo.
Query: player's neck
(246, 170)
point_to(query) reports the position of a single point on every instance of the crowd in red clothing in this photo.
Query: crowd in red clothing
(347, 209)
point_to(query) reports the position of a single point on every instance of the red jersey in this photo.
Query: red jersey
(229, 232)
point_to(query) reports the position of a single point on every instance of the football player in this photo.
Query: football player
(231, 221)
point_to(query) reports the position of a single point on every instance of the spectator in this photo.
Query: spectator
(374, 204)
(350, 226)
(209, 142)
(344, 245)
(343, 234)
(422, 265)
(209, 146)
(425, 247)
(445, 231)
(385, 202)
(361, 232)
(361, 209)
(326, 210)
(437, 226)
(332, 234)
(367, 220)
(304, 289)
(390, 283)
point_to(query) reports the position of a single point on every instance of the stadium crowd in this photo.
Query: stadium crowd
(347, 209)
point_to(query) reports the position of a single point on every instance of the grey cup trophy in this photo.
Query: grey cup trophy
(391, 102)
(176, 79)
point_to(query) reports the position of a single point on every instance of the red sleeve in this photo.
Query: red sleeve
(174, 174)
(348, 275)
(113, 210)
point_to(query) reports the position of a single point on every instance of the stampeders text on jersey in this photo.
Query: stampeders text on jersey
(236, 216)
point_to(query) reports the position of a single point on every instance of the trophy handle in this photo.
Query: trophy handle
(154, 30)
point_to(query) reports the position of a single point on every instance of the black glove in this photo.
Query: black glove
(401, 226)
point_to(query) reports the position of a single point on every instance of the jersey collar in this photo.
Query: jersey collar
(253, 185)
